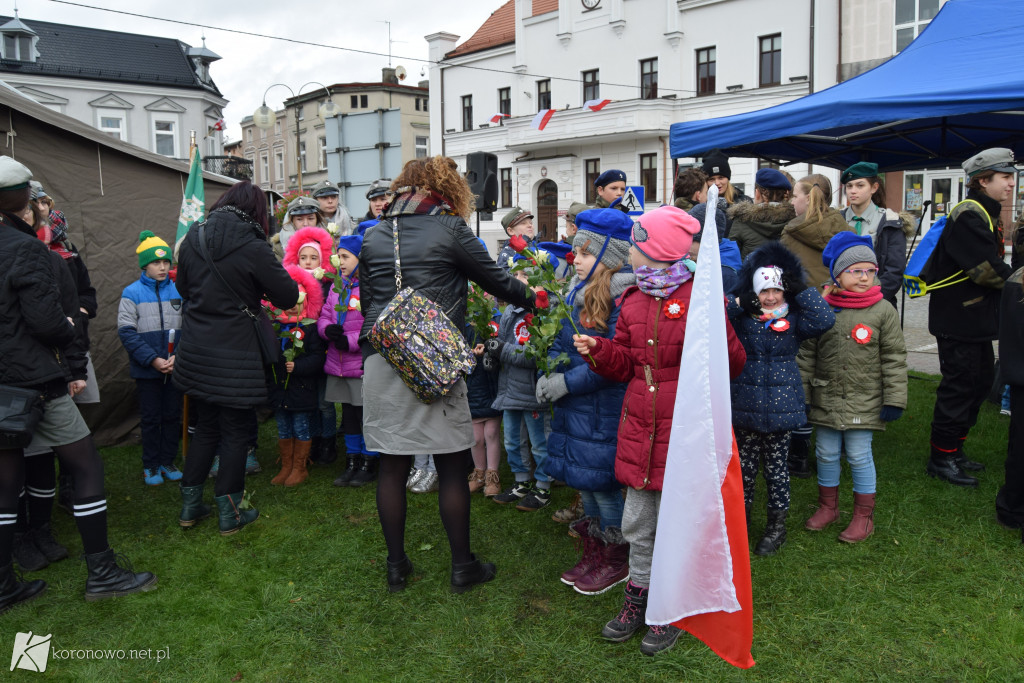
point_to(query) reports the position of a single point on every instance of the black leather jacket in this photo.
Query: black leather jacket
(440, 254)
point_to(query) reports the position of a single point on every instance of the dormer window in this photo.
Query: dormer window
(19, 41)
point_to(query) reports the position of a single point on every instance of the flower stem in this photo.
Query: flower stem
(590, 359)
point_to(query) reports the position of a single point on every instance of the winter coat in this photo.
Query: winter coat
(148, 310)
(847, 383)
(1011, 330)
(729, 254)
(86, 293)
(968, 310)
(33, 327)
(507, 252)
(585, 426)
(517, 379)
(755, 224)
(481, 383)
(646, 340)
(75, 352)
(348, 363)
(700, 211)
(301, 395)
(808, 240)
(219, 359)
(769, 396)
(890, 245)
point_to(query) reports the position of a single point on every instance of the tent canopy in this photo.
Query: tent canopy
(954, 90)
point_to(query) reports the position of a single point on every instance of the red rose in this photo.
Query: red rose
(517, 243)
(528, 318)
(570, 258)
(541, 299)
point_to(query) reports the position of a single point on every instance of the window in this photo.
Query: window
(354, 100)
(422, 146)
(302, 156)
(648, 79)
(649, 176)
(505, 175)
(248, 134)
(279, 164)
(264, 167)
(766, 163)
(18, 47)
(165, 137)
(300, 112)
(277, 127)
(425, 102)
(505, 101)
(364, 101)
(706, 71)
(911, 18)
(113, 123)
(543, 94)
(417, 104)
(593, 169)
(591, 85)
(323, 152)
(771, 60)
(467, 112)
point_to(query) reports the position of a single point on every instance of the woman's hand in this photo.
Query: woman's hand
(478, 350)
(583, 343)
(289, 366)
(76, 387)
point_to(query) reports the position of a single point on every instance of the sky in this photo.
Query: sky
(251, 64)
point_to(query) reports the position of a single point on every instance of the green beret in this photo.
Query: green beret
(861, 169)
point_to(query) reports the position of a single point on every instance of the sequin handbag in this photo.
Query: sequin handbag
(418, 340)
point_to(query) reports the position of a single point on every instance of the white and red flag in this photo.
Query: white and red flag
(498, 117)
(700, 573)
(542, 118)
(596, 105)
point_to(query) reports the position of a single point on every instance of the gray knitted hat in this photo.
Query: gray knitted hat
(615, 254)
(858, 253)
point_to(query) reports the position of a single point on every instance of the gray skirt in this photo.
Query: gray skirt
(61, 424)
(344, 390)
(395, 421)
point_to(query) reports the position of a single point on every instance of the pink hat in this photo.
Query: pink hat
(310, 236)
(665, 234)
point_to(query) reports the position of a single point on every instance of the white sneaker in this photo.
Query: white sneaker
(426, 484)
(414, 476)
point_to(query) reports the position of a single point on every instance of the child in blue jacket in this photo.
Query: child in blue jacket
(148, 320)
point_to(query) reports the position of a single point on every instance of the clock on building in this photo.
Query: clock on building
(590, 4)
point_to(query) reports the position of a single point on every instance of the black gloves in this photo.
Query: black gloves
(890, 413)
(336, 335)
(493, 347)
(751, 304)
(490, 365)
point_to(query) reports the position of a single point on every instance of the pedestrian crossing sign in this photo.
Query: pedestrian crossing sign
(633, 200)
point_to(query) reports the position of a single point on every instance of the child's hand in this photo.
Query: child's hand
(289, 366)
(76, 387)
(162, 365)
(583, 343)
(478, 350)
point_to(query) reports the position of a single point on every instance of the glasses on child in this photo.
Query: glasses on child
(862, 272)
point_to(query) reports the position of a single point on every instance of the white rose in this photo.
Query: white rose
(333, 228)
(302, 298)
(510, 261)
(335, 259)
(318, 273)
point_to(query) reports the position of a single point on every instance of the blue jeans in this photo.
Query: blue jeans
(538, 444)
(1005, 403)
(605, 505)
(857, 442)
(292, 425)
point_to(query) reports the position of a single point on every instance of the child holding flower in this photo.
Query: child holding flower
(294, 380)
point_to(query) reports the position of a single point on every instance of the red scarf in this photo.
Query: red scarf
(840, 298)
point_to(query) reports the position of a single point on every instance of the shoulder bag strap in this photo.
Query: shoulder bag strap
(398, 261)
(209, 262)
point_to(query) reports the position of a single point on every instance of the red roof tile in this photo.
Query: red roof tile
(499, 29)
(544, 6)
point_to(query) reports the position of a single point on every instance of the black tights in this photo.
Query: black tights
(35, 509)
(452, 502)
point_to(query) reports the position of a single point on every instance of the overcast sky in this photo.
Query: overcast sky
(250, 64)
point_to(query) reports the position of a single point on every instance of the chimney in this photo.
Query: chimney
(424, 84)
(388, 75)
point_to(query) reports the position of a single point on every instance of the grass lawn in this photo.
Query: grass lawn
(936, 594)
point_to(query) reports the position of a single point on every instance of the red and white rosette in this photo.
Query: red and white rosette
(674, 308)
(494, 328)
(298, 334)
(353, 304)
(780, 325)
(521, 332)
(861, 333)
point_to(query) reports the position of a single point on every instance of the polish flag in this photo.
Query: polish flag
(700, 572)
(596, 105)
(542, 118)
(219, 125)
(498, 117)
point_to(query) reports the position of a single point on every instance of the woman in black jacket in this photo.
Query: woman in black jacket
(218, 362)
(440, 255)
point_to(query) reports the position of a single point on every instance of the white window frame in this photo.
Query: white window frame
(248, 134)
(917, 24)
(323, 152)
(164, 117)
(425, 147)
(119, 114)
(278, 164)
(264, 167)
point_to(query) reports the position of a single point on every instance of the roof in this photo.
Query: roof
(903, 114)
(544, 6)
(498, 29)
(348, 87)
(78, 52)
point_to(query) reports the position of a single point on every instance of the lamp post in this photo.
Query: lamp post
(264, 118)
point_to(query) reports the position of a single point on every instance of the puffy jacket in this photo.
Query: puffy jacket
(769, 396)
(347, 363)
(507, 252)
(297, 391)
(646, 339)
(968, 310)
(219, 357)
(440, 254)
(481, 384)
(755, 224)
(807, 240)
(148, 310)
(847, 383)
(1011, 330)
(517, 379)
(699, 211)
(75, 353)
(890, 244)
(585, 427)
(34, 330)
(731, 264)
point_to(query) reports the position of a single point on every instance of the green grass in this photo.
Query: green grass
(936, 594)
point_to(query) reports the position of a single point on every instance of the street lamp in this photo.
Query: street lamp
(264, 118)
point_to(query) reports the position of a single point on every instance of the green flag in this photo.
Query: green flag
(193, 204)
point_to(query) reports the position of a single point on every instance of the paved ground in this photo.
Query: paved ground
(922, 353)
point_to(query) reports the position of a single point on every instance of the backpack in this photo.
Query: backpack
(916, 275)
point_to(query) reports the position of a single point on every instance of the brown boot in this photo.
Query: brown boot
(492, 484)
(286, 447)
(300, 463)
(476, 480)
(862, 525)
(828, 508)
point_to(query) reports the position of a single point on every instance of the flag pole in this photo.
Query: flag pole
(192, 149)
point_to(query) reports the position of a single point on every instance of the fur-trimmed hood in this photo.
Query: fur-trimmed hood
(908, 221)
(314, 293)
(772, 254)
(305, 236)
(767, 213)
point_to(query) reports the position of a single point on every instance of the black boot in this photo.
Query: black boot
(232, 516)
(13, 591)
(192, 508)
(367, 472)
(315, 445)
(354, 463)
(965, 463)
(108, 580)
(327, 453)
(943, 464)
(469, 574)
(798, 459)
(631, 616)
(774, 534)
(47, 544)
(398, 573)
(27, 555)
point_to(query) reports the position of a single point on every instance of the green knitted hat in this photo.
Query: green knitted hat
(151, 248)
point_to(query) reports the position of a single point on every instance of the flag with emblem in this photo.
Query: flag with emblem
(700, 572)
(193, 203)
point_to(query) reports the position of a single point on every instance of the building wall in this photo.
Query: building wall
(257, 142)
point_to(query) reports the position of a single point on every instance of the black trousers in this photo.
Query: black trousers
(968, 370)
(1010, 500)
(221, 431)
(160, 415)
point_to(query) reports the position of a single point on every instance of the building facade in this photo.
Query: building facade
(146, 90)
(267, 150)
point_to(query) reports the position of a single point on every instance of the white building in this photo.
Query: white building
(145, 90)
(658, 61)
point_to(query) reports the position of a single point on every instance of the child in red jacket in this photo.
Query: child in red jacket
(645, 352)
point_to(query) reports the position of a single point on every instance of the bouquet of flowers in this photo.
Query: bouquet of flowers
(290, 332)
(480, 312)
(281, 205)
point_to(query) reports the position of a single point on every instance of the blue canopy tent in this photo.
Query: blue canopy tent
(956, 89)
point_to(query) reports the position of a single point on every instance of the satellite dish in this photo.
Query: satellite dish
(400, 72)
